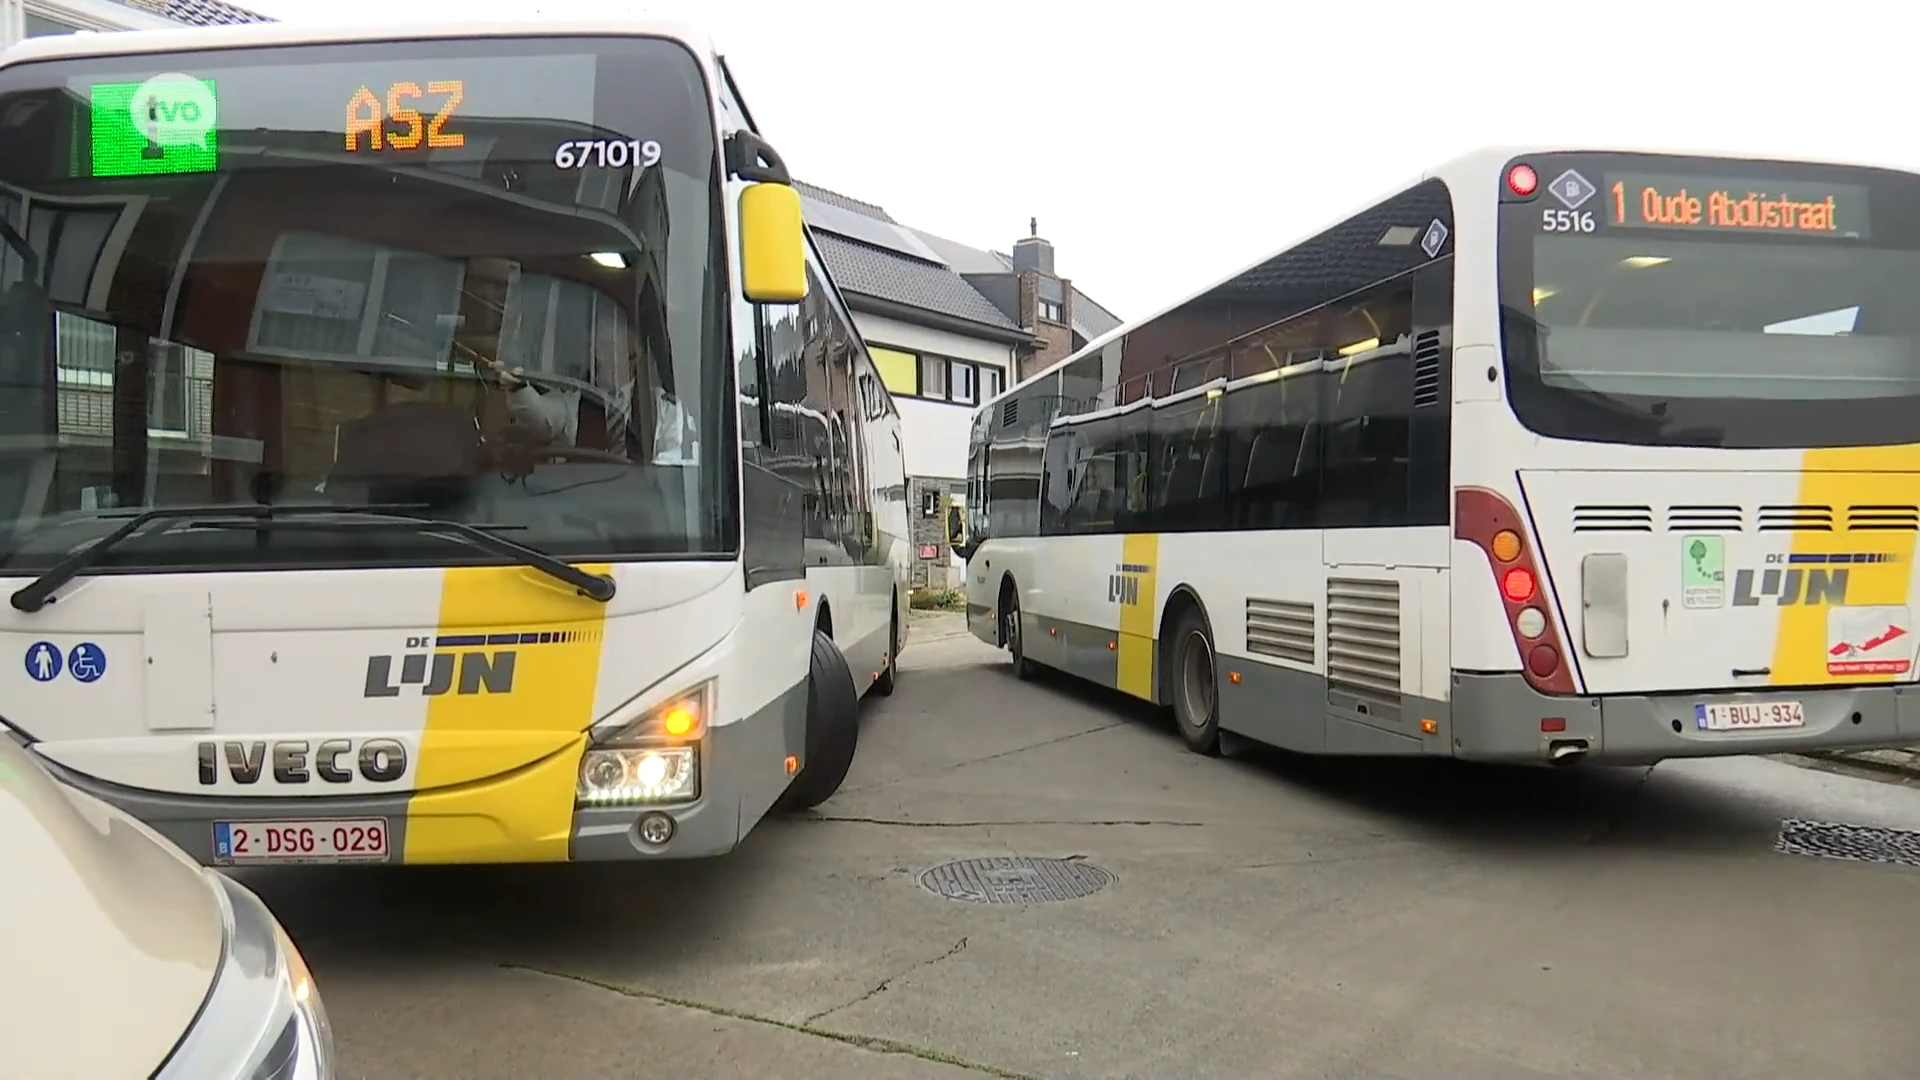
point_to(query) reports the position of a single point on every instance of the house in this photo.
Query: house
(948, 326)
(21, 19)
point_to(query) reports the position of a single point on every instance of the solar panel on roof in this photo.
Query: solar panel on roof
(829, 218)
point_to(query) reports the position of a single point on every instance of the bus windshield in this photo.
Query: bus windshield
(478, 279)
(1702, 302)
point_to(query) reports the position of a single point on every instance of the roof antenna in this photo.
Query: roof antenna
(1033, 226)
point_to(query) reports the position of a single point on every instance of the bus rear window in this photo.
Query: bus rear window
(1671, 305)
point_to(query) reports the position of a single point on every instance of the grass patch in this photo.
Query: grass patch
(937, 600)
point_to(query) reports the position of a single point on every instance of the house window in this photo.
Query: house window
(933, 377)
(1050, 310)
(936, 378)
(899, 371)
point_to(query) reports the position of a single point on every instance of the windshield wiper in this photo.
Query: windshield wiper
(593, 586)
(38, 593)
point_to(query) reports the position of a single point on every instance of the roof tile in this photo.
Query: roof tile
(199, 12)
(884, 275)
(844, 202)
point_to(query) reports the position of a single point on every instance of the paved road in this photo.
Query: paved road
(1266, 917)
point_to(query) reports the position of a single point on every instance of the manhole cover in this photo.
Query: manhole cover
(1855, 843)
(1012, 880)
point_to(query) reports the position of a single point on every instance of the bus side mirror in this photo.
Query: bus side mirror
(773, 262)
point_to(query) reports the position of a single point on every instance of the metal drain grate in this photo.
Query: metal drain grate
(1014, 880)
(1855, 843)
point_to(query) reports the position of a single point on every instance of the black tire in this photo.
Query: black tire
(885, 683)
(1193, 684)
(833, 729)
(1011, 634)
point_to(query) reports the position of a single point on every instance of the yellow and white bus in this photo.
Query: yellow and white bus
(1548, 456)
(429, 444)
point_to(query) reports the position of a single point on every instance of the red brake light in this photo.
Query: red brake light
(1517, 583)
(1523, 180)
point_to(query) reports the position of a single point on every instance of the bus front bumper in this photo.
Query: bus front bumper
(1502, 718)
(525, 816)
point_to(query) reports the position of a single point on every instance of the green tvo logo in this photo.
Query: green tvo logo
(172, 110)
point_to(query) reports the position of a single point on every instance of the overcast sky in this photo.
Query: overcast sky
(1161, 146)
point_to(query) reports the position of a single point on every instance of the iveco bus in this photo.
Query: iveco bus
(429, 445)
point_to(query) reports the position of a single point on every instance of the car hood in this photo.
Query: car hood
(111, 935)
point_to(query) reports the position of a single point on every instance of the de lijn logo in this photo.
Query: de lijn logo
(46, 662)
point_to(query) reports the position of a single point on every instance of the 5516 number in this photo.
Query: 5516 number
(1575, 221)
(606, 153)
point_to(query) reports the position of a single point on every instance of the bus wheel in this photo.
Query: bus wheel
(833, 729)
(1196, 685)
(1010, 632)
(884, 684)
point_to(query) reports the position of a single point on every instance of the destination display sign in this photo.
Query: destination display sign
(1746, 205)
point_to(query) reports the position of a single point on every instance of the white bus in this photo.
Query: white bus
(1548, 456)
(429, 444)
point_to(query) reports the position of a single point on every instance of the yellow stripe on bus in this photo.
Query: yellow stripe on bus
(498, 764)
(1139, 560)
(1840, 478)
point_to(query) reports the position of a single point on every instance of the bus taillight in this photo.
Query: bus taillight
(1517, 583)
(1492, 525)
(1522, 180)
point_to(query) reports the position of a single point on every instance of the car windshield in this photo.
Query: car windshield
(473, 278)
(1680, 301)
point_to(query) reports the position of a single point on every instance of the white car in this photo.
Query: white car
(125, 960)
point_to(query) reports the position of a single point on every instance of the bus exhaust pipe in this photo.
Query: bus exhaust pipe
(1564, 753)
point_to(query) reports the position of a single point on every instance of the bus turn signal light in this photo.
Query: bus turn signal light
(679, 721)
(1505, 545)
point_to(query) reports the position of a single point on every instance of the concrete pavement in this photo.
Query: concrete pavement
(1904, 763)
(1264, 916)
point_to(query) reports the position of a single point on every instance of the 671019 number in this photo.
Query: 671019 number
(607, 153)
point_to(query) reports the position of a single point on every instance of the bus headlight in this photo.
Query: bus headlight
(634, 775)
(653, 758)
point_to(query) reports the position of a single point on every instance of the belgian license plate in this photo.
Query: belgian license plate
(314, 840)
(1749, 716)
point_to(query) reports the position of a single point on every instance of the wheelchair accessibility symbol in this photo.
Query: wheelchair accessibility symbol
(86, 662)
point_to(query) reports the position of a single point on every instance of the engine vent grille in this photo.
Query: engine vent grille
(1884, 518)
(1612, 519)
(1282, 629)
(1797, 518)
(1363, 645)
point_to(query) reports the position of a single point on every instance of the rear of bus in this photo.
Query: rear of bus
(368, 472)
(1687, 461)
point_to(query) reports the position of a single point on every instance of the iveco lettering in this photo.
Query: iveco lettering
(1543, 457)
(435, 447)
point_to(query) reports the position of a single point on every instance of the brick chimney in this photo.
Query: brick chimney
(1033, 264)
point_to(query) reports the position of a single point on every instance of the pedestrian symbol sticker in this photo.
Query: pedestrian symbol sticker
(1572, 189)
(87, 662)
(1703, 571)
(43, 661)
